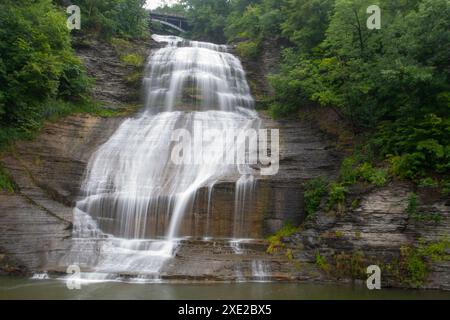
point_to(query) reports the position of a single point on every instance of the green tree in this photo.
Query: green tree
(207, 18)
(394, 81)
(107, 18)
(36, 62)
(306, 21)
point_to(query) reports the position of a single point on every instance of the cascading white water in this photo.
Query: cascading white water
(260, 270)
(135, 196)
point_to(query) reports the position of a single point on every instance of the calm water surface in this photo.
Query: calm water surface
(22, 288)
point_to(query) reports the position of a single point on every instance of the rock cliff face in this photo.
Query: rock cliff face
(374, 233)
(102, 61)
(36, 221)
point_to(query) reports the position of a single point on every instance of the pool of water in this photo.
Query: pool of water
(22, 288)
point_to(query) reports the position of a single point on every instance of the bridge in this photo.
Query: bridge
(175, 22)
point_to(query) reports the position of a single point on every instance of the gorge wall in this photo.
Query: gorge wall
(36, 220)
(378, 230)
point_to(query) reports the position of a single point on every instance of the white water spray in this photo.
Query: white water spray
(135, 197)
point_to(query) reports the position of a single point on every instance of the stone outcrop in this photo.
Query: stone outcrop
(102, 61)
(258, 69)
(36, 221)
(49, 170)
(219, 260)
(374, 233)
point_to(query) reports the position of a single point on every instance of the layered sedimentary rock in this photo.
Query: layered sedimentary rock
(374, 233)
(36, 221)
(49, 171)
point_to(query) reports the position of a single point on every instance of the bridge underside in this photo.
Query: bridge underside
(179, 24)
(176, 27)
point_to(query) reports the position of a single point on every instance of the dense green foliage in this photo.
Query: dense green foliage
(374, 75)
(126, 18)
(176, 9)
(315, 190)
(207, 18)
(414, 265)
(392, 82)
(40, 75)
(276, 240)
(6, 183)
(37, 65)
(301, 22)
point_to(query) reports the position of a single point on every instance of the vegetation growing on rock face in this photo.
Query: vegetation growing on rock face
(37, 65)
(335, 193)
(109, 18)
(414, 264)
(357, 169)
(40, 75)
(336, 197)
(133, 58)
(392, 83)
(415, 214)
(248, 49)
(315, 191)
(350, 265)
(322, 263)
(6, 184)
(276, 240)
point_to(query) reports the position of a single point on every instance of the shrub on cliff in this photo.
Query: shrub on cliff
(108, 18)
(248, 49)
(393, 82)
(37, 63)
(315, 191)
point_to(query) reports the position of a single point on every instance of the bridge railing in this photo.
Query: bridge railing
(178, 23)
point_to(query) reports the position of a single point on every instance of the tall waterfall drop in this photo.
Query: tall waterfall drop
(134, 195)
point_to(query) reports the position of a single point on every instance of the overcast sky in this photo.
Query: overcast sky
(152, 4)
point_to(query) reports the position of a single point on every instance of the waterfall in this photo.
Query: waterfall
(134, 195)
(260, 270)
(243, 198)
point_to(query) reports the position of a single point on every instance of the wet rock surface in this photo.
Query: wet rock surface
(305, 153)
(221, 260)
(374, 234)
(49, 172)
(103, 64)
(36, 221)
